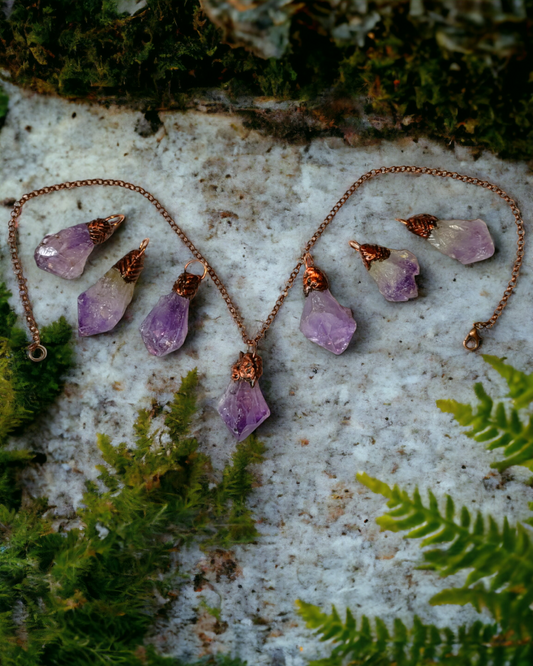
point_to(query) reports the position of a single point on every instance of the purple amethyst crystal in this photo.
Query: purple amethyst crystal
(395, 276)
(65, 253)
(164, 330)
(326, 322)
(243, 408)
(102, 306)
(467, 241)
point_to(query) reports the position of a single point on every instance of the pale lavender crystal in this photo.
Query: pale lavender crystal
(395, 276)
(243, 408)
(65, 253)
(326, 322)
(164, 330)
(102, 306)
(465, 240)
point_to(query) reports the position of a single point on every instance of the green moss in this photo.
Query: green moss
(4, 101)
(86, 595)
(413, 76)
(35, 385)
(26, 389)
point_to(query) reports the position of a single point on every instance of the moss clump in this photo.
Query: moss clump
(4, 100)
(86, 595)
(26, 389)
(408, 75)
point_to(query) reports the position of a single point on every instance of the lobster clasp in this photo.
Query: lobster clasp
(472, 341)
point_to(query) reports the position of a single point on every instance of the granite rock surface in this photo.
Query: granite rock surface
(251, 203)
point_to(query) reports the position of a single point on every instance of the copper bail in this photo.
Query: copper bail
(370, 253)
(101, 230)
(314, 279)
(248, 368)
(131, 265)
(421, 225)
(187, 284)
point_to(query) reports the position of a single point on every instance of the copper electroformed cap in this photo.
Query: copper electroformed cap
(370, 253)
(421, 225)
(314, 279)
(187, 284)
(248, 368)
(102, 229)
(131, 265)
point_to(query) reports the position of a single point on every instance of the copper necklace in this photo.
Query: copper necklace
(249, 367)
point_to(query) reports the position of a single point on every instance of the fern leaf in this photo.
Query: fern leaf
(520, 384)
(501, 558)
(496, 426)
(371, 643)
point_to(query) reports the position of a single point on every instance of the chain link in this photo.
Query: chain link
(37, 352)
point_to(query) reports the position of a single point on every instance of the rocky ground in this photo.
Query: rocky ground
(250, 203)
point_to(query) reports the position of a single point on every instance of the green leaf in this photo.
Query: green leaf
(520, 384)
(494, 424)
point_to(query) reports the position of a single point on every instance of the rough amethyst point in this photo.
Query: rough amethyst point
(102, 306)
(243, 408)
(395, 276)
(64, 254)
(466, 241)
(165, 328)
(326, 322)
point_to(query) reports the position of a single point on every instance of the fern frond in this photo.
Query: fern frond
(497, 426)
(373, 643)
(500, 557)
(520, 384)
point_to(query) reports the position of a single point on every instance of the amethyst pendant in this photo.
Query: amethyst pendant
(102, 306)
(324, 321)
(393, 270)
(65, 253)
(243, 407)
(467, 241)
(164, 330)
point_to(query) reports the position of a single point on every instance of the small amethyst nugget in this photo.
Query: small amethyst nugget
(243, 407)
(65, 253)
(324, 320)
(393, 270)
(165, 328)
(466, 241)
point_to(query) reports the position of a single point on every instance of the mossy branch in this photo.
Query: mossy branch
(88, 593)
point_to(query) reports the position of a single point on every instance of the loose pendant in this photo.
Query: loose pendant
(165, 328)
(102, 306)
(324, 321)
(65, 253)
(467, 241)
(242, 407)
(393, 270)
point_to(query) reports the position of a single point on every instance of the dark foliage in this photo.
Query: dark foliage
(403, 78)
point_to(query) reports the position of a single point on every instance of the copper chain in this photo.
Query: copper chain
(234, 311)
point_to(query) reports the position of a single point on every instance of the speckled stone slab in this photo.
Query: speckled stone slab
(250, 203)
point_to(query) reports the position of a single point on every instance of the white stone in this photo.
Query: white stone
(251, 203)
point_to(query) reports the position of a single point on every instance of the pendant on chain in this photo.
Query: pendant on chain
(243, 407)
